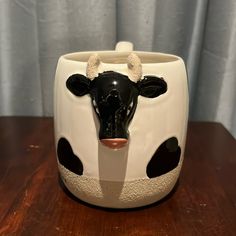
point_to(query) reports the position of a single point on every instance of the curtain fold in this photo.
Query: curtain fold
(33, 34)
(20, 86)
(215, 90)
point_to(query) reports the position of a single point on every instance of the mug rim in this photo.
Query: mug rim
(107, 57)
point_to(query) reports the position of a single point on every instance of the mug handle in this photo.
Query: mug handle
(124, 46)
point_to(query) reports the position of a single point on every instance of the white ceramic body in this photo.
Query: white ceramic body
(117, 178)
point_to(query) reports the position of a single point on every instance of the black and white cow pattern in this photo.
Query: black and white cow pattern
(114, 99)
(67, 158)
(165, 159)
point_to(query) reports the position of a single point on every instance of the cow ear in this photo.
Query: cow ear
(78, 84)
(152, 86)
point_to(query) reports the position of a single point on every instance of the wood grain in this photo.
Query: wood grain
(34, 202)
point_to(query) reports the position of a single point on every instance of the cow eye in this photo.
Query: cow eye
(95, 106)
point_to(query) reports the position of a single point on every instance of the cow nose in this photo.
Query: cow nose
(114, 143)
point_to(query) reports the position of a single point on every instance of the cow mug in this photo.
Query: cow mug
(120, 125)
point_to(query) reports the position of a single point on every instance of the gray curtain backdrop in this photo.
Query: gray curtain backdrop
(33, 34)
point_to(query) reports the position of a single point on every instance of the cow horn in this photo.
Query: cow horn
(92, 67)
(134, 67)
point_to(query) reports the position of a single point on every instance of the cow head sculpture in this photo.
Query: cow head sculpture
(114, 96)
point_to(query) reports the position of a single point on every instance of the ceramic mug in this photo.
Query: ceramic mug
(120, 124)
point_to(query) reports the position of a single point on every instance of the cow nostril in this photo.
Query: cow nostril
(114, 143)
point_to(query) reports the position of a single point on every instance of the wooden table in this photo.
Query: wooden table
(33, 202)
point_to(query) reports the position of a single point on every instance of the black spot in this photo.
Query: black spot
(165, 159)
(67, 158)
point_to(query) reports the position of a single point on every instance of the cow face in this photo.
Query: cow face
(114, 99)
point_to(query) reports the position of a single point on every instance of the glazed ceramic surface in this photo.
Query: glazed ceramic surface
(146, 168)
